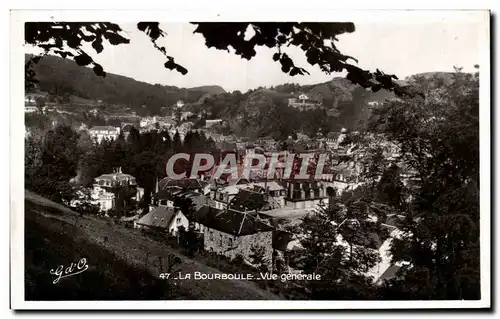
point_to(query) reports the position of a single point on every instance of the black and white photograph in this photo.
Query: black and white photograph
(318, 160)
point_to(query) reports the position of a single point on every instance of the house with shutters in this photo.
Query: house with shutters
(304, 102)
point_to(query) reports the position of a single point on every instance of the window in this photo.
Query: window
(178, 220)
(230, 241)
(211, 235)
(221, 240)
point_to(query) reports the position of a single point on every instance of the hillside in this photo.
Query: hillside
(255, 113)
(265, 111)
(123, 262)
(63, 76)
(210, 89)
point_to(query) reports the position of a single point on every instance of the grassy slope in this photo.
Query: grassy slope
(117, 258)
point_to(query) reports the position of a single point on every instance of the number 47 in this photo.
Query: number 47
(164, 275)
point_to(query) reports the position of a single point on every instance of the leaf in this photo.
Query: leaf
(97, 45)
(170, 65)
(73, 41)
(83, 59)
(276, 56)
(294, 71)
(181, 69)
(115, 38)
(142, 26)
(64, 54)
(281, 39)
(98, 70)
(152, 29)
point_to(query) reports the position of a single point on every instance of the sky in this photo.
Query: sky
(393, 47)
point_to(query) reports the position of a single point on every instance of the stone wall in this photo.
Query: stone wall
(231, 246)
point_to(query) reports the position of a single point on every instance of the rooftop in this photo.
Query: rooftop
(230, 221)
(184, 183)
(247, 200)
(159, 217)
(117, 176)
(104, 128)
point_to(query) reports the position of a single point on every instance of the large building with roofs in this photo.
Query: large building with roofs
(115, 189)
(100, 133)
(304, 102)
(232, 233)
(167, 198)
(306, 194)
(192, 184)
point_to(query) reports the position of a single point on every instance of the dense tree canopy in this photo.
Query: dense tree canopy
(438, 141)
(430, 180)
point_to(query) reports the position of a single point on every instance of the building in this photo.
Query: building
(166, 122)
(221, 196)
(100, 133)
(167, 197)
(168, 184)
(163, 219)
(30, 109)
(147, 121)
(30, 105)
(250, 200)
(307, 194)
(51, 107)
(303, 102)
(210, 123)
(231, 233)
(186, 115)
(274, 190)
(179, 104)
(115, 191)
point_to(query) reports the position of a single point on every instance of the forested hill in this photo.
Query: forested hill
(210, 89)
(63, 76)
(265, 111)
(255, 113)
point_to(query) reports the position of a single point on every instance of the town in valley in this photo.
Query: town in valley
(389, 208)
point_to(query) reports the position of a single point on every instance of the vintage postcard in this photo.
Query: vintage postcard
(237, 161)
